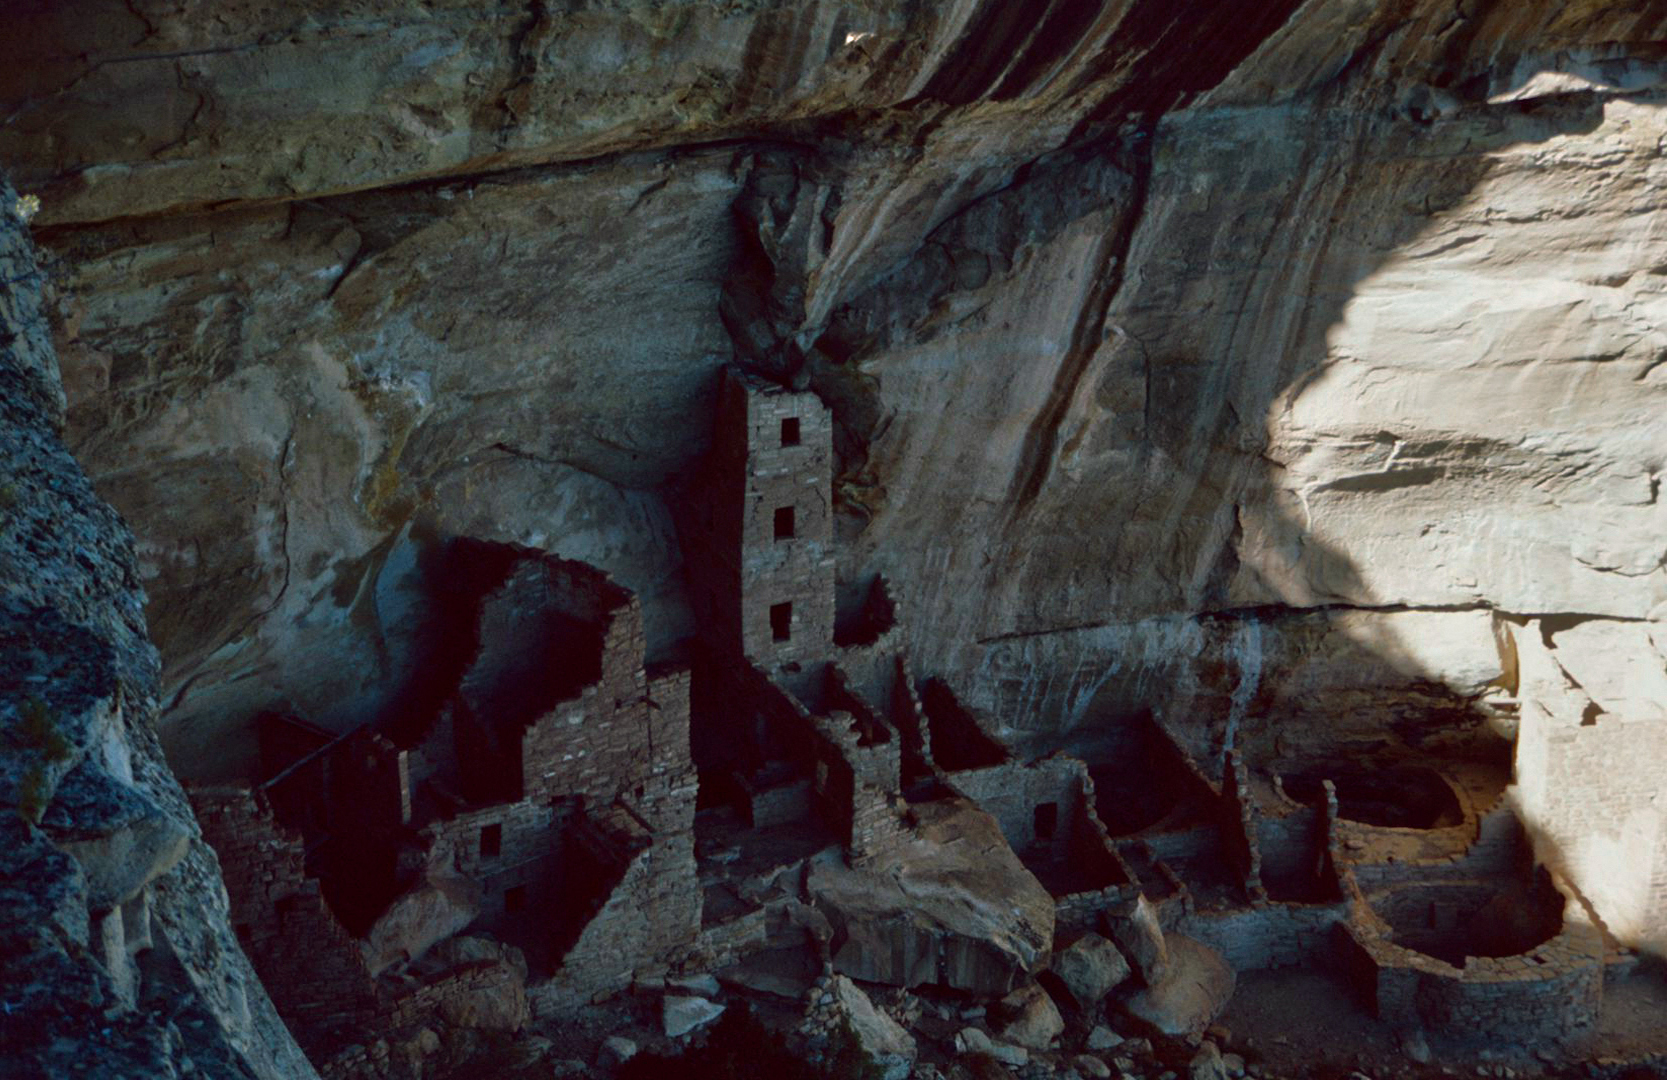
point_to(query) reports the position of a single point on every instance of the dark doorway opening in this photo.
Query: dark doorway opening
(1045, 820)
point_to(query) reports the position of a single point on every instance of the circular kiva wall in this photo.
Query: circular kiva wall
(1477, 960)
(1397, 796)
(1455, 920)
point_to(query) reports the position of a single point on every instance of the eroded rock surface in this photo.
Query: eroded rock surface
(116, 952)
(1392, 372)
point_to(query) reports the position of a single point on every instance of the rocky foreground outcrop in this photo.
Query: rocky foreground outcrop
(116, 957)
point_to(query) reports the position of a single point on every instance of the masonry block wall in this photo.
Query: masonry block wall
(1551, 992)
(308, 963)
(1239, 840)
(1612, 840)
(1589, 788)
(1273, 935)
(908, 716)
(760, 530)
(576, 837)
(1038, 805)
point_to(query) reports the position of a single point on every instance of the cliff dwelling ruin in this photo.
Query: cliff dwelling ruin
(977, 540)
(559, 821)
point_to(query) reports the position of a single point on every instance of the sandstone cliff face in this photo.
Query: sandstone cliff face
(1252, 368)
(116, 955)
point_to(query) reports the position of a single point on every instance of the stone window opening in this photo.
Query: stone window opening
(790, 431)
(784, 523)
(1045, 819)
(491, 841)
(781, 621)
(515, 899)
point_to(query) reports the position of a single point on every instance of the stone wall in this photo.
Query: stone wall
(1551, 992)
(1291, 844)
(759, 527)
(855, 783)
(1047, 794)
(1269, 935)
(1492, 844)
(1611, 841)
(310, 965)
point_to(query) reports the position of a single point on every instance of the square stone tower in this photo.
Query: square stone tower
(761, 544)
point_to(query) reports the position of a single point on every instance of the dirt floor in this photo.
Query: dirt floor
(1306, 1023)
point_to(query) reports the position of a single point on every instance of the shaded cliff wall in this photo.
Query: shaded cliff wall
(1249, 368)
(115, 949)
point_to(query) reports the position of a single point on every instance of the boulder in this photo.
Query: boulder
(1103, 1038)
(700, 985)
(681, 1015)
(494, 998)
(950, 904)
(1194, 987)
(1415, 1046)
(1090, 968)
(881, 1037)
(1091, 1066)
(1012, 1056)
(1138, 935)
(616, 1050)
(1207, 1064)
(425, 915)
(1033, 1021)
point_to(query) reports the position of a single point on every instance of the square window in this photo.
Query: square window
(781, 621)
(790, 431)
(784, 523)
(491, 841)
(515, 898)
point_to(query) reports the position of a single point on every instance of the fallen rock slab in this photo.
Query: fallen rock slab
(1090, 968)
(1103, 1038)
(1207, 1064)
(616, 1051)
(1193, 989)
(428, 913)
(1033, 1019)
(951, 904)
(1138, 935)
(681, 1015)
(880, 1037)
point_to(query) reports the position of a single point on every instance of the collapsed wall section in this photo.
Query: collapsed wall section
(310, 965)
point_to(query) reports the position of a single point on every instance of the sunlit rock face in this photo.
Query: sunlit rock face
(1253, 369)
